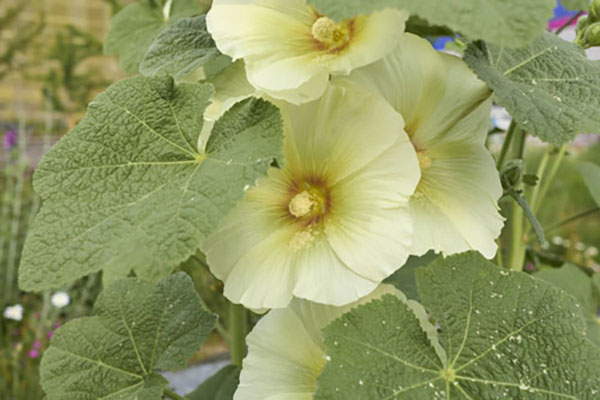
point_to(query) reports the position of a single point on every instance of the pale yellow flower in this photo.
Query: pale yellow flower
(447, 114)
(286, 353)
(334, 222)
(290, 49)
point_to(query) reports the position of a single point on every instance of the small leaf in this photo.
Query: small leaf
(404, 279)
(506, 335)
(511, 22)
(591, 176)
(180, 49)
(550, 87)
(138, 328)
(128, 188)
(134, 28)
(220, 386)
(581, 286)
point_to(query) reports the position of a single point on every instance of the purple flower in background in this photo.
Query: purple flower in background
(10, 139)
(33, 354)
(50, 334)
(37, 344)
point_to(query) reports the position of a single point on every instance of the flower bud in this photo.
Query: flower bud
(595, 10)
(511, 174)
(592, 35)
(582, 23)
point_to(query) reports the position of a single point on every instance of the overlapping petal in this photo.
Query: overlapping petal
(286, 353)
(446, 109)
(284, 58)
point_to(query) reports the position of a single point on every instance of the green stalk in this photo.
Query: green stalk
(516, 253)
(16, 214)
(550, 178)
(540, 174)
(172, 395)
(237, 329)
(506, 145)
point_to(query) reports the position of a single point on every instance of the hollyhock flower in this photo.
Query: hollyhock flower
(334, 222)
(14, 312)
(446, 110)
(286, 353)
(290, 49)
(60, 299)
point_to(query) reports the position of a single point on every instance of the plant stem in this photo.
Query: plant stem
(549, 179)
(172, 395)
(237, 329)
(506, 145)
(569, 22)
(499, 258)
(573, 218)
(516, 254)
(540, 174)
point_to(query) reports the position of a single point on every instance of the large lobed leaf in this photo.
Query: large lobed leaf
(128, 188)
(550, 87)
(220, 386)
(506, 22)
(574, 281)
(506, 336)
(138, 328)
(180, 49)
(136, 26)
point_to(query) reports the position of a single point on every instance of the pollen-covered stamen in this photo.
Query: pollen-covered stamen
(424, 160)
(331, 34)
(302, 204)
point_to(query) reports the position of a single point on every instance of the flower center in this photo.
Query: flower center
(331, 34)
(302, 204)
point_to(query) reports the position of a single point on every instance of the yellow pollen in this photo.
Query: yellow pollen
(302, 204)
(301, 239)
(326, 31)
(424, 160)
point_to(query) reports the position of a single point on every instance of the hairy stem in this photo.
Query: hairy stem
(237, 328)
(549, 179)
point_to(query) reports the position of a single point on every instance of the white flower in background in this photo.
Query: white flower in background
(290, 49)
(591, 252)
(14, 312)
(286, 353)
(446, 110)
(334, 222)
(60, 299)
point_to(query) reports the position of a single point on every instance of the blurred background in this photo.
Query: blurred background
(52, 65)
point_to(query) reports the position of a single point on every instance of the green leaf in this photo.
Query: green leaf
(220, 386)
(180, 49)
(135, 27)
(404, 278)
(577, 283)
(128, 189)
(579, 5)
(550, 87)
(506, 334)
(591, 176)
(138, 328)
(510, 22)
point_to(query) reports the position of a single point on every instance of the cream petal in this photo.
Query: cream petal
(340, 134)
(462, 113)
(286, 350)
(257, 214)
(455, 208)
(371, 229)
(412, 79)
(375, 36)
(283, 360)
(322, 277)
(297, 79)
